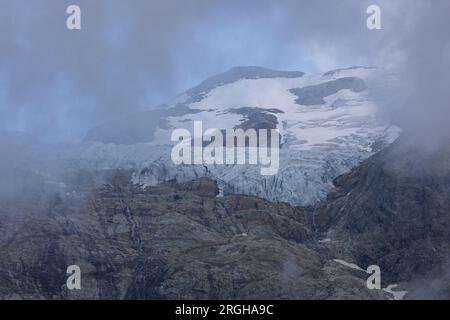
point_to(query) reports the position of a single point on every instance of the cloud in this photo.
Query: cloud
(56, 83)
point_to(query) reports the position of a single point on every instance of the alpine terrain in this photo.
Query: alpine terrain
(349, 194)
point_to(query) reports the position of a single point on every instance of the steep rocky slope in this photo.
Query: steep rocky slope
(170, 241)
(186, 240)
(394, 211)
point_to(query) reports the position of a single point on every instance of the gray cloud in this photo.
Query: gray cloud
(129, 56)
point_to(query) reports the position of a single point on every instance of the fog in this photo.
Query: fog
(56, 84)
(129, 56)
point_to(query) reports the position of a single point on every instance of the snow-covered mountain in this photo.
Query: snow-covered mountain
(327, 124)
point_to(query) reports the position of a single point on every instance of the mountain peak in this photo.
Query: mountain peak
(262, 72)
(240, 72)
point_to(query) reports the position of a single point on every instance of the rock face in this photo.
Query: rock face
(172, 241)
(394, 211)
(188, 241)
(315, 94)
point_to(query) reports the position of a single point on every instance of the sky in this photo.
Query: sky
(55, 83)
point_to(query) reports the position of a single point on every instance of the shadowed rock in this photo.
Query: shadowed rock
(313, 95)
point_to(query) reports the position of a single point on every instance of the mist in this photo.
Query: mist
(56, 84)
(131, 56)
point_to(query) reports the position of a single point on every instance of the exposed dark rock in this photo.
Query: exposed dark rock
(234, 74)
(313, 95)
(171, 242)
(394, 211)
(182, 241)
(257, 118)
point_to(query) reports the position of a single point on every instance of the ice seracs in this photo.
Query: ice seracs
(327, 125)
(227, 146)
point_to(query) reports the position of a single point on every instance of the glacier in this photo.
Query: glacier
(327, 125)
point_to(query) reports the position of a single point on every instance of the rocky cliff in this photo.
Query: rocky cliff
(170, 241)
(187, 241)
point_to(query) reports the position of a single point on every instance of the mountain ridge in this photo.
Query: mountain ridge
(186, 241)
